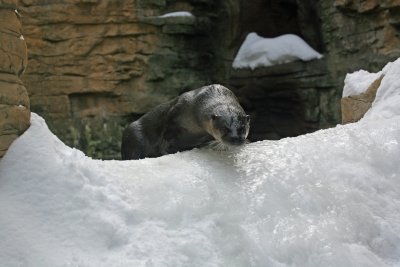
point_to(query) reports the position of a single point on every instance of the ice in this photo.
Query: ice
(257, 51)
(330, 198)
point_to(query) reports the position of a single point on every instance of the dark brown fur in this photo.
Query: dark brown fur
(190, 120)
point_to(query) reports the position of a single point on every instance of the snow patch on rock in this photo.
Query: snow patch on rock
(257, 51)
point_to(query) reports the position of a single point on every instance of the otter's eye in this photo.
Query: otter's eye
(214, 117)
(246, 118)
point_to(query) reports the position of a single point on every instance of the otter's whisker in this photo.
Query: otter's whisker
(222, 147)
(217, 145)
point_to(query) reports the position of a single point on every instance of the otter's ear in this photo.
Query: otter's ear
(247, 118)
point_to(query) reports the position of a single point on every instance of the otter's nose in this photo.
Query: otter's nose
(236, 140)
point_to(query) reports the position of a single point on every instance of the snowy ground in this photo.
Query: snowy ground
(331, 198)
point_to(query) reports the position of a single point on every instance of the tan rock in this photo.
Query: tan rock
(391, 3)
(359, 6)
(14, 100)
(14, 119)
(8, 3)
(13, 52)
(13, 94)
(365, 6)
(51, 105)
(5, 142)
(389, 43)
(9, 22)
(354, 107)
(40, 86)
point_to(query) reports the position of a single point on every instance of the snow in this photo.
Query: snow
(330, 198)
(357, 82)
(177, 14)
(387, 101)
(257, 51)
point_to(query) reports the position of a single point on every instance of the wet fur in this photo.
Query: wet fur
(186, 122)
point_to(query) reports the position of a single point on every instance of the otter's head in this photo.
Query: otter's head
(230, 129)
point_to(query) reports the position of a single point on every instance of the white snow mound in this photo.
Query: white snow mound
(257, 51)
(357, 82)
(331, 198)
(177, 14)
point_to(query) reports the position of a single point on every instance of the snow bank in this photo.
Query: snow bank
(331, 198)
(387, 100)
(388, 95)
(177, 14)
(257, 51)
(357, 82)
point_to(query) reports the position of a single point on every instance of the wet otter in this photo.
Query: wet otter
(190, 120)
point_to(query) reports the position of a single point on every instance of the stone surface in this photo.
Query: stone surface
(283, 100)
(360, 34)
(354, 107)
(14, 101)
(94, 66)
(100, 64)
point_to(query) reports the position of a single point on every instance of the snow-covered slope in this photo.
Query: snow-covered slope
(257, 51)
(331, 198)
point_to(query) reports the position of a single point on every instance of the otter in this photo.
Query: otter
(191, 120)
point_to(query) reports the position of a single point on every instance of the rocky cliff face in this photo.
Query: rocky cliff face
(288, 99)
(360, 34)
(14, 101)
(95, 65)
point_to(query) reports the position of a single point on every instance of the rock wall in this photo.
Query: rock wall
(357, 35)
(360, 35)
(14, 101)
(296, 98)
(286, 100)
(96, 65)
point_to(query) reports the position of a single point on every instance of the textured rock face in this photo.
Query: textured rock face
(288, 99)
(284, 100)
(95, 65)
(14, 101)
(360, 34)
